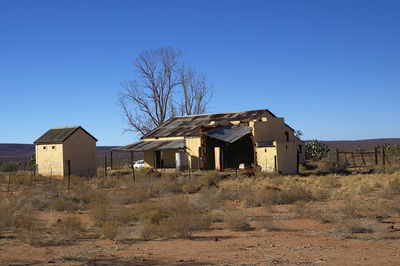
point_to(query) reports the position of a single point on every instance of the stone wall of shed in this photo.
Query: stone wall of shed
(49, 158)
(80, 149)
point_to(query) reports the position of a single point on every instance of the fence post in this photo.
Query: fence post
(9, 181)
(376, 156)
(111, 160)
(31, 174)
(383, 155)
(69, 176)
(133, 168)
(337, 156)
(105, 165)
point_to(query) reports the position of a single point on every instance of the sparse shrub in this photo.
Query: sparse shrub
(268, 223)
(100, 213)
(209, 199)
(293, 194)
(8, 216)
(236, 222)
(191, 186)
(386, 208)
(365, 189)
(8, 167)
(321, 194)
(66, 230)
(251, 200)
(110, 229)
(61, 204)
(183, 218)
(146, 230)
(148, 211)
(333, 167)
(349, 211)
(394, 186)
(210, 179)
(38, 198)
(166, 184)
(133, 194)
(330, 181)
(125, 215)
(348, 227)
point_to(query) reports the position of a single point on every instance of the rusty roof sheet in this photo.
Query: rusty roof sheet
(190, 125)
(230, 133)
(59, 135)
(156, 145)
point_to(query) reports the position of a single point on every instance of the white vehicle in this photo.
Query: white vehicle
(139, 164)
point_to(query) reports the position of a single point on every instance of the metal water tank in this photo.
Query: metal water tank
(181, 161)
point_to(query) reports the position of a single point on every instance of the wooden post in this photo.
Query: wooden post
(31, 175)
(383, 155)
(354, 161)
(362, 156)
(105, 165)
(111, 160)
(9, 181)
(337, 156)
(69, 176)
(133, 168)
(298, 162)
(376, 156)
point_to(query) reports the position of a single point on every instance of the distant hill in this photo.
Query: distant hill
(22, 152)
(365, 143)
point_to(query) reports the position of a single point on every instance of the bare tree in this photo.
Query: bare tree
(150, 94)
(148, 100)
(196, 92)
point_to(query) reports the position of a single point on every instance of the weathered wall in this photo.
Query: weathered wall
(271, 130)
(80, 149)
(168, 156)
(149, 159)
(49, 158)
(266, 158)
(287, 157)
(193, 144)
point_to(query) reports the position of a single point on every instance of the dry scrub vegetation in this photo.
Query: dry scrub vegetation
(41, 212)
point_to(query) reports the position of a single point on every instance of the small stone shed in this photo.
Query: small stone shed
(255, 138)
(58, 145)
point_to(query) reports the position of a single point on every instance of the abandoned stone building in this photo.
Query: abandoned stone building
(245, 139)
(59, 145)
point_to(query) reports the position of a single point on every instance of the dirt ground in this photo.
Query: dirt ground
(294, 241)
(290, 239)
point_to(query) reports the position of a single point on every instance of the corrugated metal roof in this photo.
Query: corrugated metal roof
(59, 135)
(156, 145)
(229, 133)
(190, 125)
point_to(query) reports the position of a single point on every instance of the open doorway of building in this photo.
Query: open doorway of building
(232, 154)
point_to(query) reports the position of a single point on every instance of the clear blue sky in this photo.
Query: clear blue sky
(330, 68)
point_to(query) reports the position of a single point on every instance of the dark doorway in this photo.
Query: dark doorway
(157, 155)
(232, 154)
